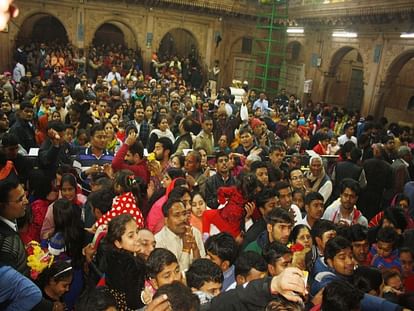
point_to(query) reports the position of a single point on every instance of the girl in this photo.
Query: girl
(124, 270)
(54, 283)
(129, 197)
(162, 130)
(56, 116)
(235, 207)
(69, 190)
(67, 241)
(198, 206)
(333, 147)
(114, 143)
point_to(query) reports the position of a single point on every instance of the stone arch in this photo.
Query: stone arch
(344, 78)
(34, 23)
(125, 30)
(391, 88)
(188, 44)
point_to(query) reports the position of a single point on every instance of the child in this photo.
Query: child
(198, 206)
(124, 270)
(333, 147)
(54, 282)
(128, 189)
(70, 191)
(229, 217)
(384, 254)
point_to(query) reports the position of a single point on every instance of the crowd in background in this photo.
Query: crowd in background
(161, 190)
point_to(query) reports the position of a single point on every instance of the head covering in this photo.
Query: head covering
(255, 123)
(56, 244)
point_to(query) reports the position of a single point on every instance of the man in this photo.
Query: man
(60, 106)
(322, 231)
(222, 249)
(205, 138)
(296, 179)
(348, 135)
(4, 123)
(18, 72)
(222, 178)
(55, 151)
(178, 237)
(247, 144)
(23, 128)
(293, 140)
(277, 154)
(163, 150)
(205, 279)
(378, 173)
(96, 158)
(266, 201)
(285, 201)
(141, 125)
(278, 257)
(279, 224)
(13, 203)
(260, 170)
(185, 140)
(262, 103)
(10, 147)
(358, 235)
(113, 77)
(129, 92)
(249, 266)
(314, 208)
(146, 241)
(400, 167)
(343, 210)
(390, 154)
(194, 176)
(131, 157)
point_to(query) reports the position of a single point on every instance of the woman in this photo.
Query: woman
(162, 130)
(302, 246)
(114, 143)
(149, 115)
(316, 179)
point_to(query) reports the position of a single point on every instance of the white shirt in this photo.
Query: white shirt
(18, 72)
(343, 139)
(10, 223)
(169, 240)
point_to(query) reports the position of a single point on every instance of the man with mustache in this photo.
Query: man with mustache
(178, 236)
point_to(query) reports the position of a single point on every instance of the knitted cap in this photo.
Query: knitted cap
(56, 244)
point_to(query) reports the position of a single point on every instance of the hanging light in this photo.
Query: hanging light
(295, 30)
(344, 34)
(407, 35)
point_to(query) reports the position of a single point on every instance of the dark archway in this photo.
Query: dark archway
(397, 91)
(345, 79)
(178, 42)
(109, 34)
(42, 28)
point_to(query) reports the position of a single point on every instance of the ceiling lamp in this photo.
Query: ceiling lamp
(295, 30)
(407, 35)
(344, 34)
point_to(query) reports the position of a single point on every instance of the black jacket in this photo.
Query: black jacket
(254, 297)
(51, 157)
(125, 274)
(24, 133)
(12, 250)
(212, 184)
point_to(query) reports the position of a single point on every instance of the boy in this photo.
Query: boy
(222, 250)
(205, 279)
(384, 254)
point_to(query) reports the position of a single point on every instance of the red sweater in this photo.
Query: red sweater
(140, 169)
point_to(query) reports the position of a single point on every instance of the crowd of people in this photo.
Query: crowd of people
(125, 190)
